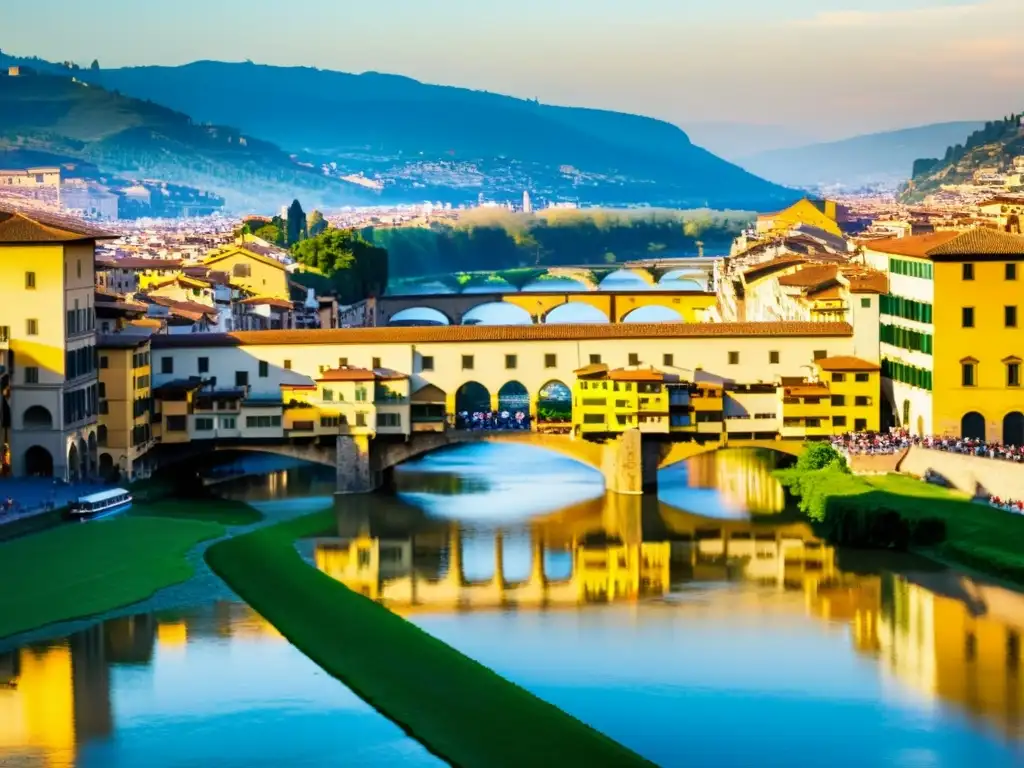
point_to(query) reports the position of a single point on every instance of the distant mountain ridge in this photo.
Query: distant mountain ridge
(391, 126)
(885, 157)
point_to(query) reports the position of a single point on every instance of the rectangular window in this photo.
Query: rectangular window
(287, 365)
(860, 425)
(1013, 374)
(668, 360)
(550, 361)
(838, 377)
(595, 359)
(227, 422)
(342, 362)
(102, 389)
(634, 358)
(166, 365)
(967, 317)
(375, 363)
(511, 361)
(5, 333)
(104, 361)
(1010, 317)
(32, 327)
(328, 395)
(862, 378)
(861, 400)
(865, 302)
(264, 369)
(967, 271)
(593, 418)
(1010, 272)
(176, 423)
(820, 354)
(361, 395)
(204, 424)
(467, 362)
(773, 357)
(204, 365)
(734, 358)
(360, 419)
(839, 400)
(838, 421)
(389, 420)
(241, 378)
(427, 363)
(30, 280)
(967, 374)
(31, 374)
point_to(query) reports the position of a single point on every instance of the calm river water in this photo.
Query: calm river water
(700, 628)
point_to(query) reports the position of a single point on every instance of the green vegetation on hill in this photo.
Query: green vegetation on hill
(459, 709)
(353, 267)
(493, 239)
(72, 120)
(860, 160)
(393, 126)
(993, 145)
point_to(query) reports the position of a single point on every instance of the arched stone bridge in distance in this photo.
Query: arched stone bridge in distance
(629, 463)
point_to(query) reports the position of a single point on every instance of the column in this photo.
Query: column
(499, 561)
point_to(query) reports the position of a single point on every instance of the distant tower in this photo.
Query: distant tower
(527, 203)
(480, 199)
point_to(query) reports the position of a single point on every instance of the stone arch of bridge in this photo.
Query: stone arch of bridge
(524, 317)
(673, 453)
(312, 453)
(690, 308)
(644, 314)
(643, 273)
(408, 314)
(598, 312)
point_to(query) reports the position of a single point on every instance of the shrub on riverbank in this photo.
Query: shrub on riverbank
(77, 570)
(459, 709)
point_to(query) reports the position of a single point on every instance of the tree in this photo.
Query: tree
(357, 269)
(95, 66)
(820, 456)
(271, 233)
(296, 228)
(317, 223)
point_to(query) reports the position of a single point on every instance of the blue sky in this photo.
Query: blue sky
(819, 68)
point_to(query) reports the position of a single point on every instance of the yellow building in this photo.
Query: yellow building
(252, 269)
(821, 214)
(48, 343)
(854, 388)
(124, 432)
(952, 340)
(350, 401)
(613, 401)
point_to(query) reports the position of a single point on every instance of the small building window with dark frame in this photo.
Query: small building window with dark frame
(264, 369)
(1013, 374)
(668, 360)
(595, 359)
(1010, 272)
(166, 365)
(967, 374)
(773, 357)
(967, 271)
(511, 361)
(820, 354)
(204, 365)
(375, 363)
(467, 362)
(30, 280)
(634, 358)
(967, 317)
(550, 360)
(427, 363)
(241, 378)
(734, 358)
(1010, 316)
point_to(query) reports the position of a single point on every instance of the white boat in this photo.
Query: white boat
(100, 504)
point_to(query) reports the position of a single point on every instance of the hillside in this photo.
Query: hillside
(62, 119)
(993, 145)
(425, 141)
(877, 158)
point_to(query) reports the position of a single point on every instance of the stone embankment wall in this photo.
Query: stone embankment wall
(875, 464)
(970, 474)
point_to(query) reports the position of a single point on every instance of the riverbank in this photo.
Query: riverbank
(457, 708)
(74, 570)
(975, 535)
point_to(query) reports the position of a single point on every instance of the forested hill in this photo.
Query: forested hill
(63, 119)
(994, 145)
(390, 127)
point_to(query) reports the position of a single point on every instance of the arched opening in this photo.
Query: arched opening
(93, 454)
(554, 405)
(419, 316)
(74, 466)
(906, 415)
(627, 280)
(37, 417)
(83, 459)
(471, 398)
(683, 280)
(575, 312)
(654, 314)
(557, 564)
(514, 406)
(972, 426)
(38, 462)
(547, 284)
(107, 469)
(1013, 429)
(488, 284)
(497, 313)
(101, 434)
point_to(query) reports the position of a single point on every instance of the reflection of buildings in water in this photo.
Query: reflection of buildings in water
(56, 696)
(743, 477)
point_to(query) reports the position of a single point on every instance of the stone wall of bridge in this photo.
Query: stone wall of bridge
(977, 476)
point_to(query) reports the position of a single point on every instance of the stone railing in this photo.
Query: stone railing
(980, 477)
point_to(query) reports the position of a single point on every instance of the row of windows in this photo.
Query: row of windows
(860, 378)
(919, 269)
(904, 338)
(969, 374)
(361, 395)
(140, 434)
(1009, 271)
(79, 362)
(80, 320)
(967, 317)
(907, 374)
(859, 425)
(908, 309)
(80, 404)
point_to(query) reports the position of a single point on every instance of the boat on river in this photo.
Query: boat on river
(101, 504)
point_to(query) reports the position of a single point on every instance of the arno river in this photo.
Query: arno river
(701, 628)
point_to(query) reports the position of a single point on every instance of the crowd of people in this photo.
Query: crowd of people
(1009, 505)
(496, 420)
(898, 439)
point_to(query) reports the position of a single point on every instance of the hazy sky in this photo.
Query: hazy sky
(823, 68)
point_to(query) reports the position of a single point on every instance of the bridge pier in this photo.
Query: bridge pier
(630, 464)
(355, 468)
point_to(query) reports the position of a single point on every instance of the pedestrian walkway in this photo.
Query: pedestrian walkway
(25, 497)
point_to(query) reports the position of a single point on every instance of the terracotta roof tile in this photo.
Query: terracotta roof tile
(914, 245)
(36, 227)
(846, 363)
(347, 374)
(868, 282)
(134, 262)
(981, 242)
(810, 277)
(269, 301)
(482, 333)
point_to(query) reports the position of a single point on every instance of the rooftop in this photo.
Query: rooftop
(121, 340)
(980, 241)
(17, 227)
(134, 262)
(498, 333)
(847, 363)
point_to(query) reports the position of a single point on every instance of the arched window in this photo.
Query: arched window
(37, 417)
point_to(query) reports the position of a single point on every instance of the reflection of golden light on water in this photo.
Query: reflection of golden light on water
(37, 715)
(172, 634)
(743, 476)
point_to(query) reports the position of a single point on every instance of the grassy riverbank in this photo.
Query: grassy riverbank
(459, 709)
(221, 511)
(77, 570)
(978, 536)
